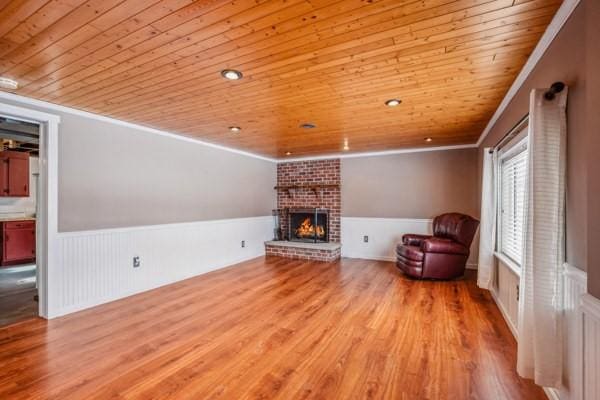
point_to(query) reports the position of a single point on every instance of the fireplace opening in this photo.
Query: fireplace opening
(308, 225)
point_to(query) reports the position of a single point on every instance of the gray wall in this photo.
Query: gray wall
(113, 176)
(410, 185)
(563, 61)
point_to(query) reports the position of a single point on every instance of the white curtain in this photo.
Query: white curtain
(487, 228)
(540, 336)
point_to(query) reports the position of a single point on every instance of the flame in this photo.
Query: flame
(307, 229)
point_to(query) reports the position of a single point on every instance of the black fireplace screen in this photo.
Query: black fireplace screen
(308, 225)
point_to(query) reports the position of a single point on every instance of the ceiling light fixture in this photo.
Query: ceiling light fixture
(8, 83)
(346, 147)
(235, 129)
(393, 102)
(428, 139)
(288, 153)
(308, 125)
(231, 74)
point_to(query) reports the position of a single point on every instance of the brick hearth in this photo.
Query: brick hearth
(304, 251)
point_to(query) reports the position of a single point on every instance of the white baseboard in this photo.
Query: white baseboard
(97, 266)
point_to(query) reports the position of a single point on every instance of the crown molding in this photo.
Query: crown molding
(561, 16)
(377, 153)
(97, 117)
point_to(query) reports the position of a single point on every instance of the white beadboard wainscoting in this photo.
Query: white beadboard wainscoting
(506, 292)
(96, 267)
(384, 234)
(590, 307)
(574, 287)
(574, 284)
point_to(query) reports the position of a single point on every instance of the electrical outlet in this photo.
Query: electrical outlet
(243, 243)
(366, 239)
(136, 262)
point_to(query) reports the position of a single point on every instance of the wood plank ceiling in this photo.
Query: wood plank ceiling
(327, 62)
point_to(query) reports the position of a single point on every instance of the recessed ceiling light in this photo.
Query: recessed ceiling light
(346, 147)
(8, 83)
(288, 153)
(231, 74)
(393, 102)
(428, 139)
(235, 129)
(308, 125)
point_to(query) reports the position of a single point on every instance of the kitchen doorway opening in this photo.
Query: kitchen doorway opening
(19, 182)
(28, 211)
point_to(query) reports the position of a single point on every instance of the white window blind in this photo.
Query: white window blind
(512, 203)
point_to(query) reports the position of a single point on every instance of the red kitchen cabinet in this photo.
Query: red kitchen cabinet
(18, 242)
(14, 174)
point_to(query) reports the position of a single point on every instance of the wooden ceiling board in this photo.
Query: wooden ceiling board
(144, 106)
(318, 93)
(328, 62)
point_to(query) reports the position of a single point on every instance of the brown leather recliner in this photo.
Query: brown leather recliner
(441, 256)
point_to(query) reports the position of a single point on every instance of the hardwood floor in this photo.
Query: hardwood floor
(17, 292)
(274, 329)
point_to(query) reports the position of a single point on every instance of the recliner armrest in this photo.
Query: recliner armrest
(445, 246)
(412, 239)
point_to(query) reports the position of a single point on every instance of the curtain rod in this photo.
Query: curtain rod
(556, 87)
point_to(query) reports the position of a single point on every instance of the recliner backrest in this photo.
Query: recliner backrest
(458, 227)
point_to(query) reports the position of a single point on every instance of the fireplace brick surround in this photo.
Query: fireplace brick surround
(310, 174)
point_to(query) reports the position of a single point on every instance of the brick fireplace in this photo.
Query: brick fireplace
(309, 187)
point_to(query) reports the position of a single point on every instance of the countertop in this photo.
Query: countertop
(22, 218)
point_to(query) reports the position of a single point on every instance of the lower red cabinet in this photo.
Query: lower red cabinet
(18, 242)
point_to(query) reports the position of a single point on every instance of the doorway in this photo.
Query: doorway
(19, 172)
(29, 266)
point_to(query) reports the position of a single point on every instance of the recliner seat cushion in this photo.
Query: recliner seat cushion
(438, 245)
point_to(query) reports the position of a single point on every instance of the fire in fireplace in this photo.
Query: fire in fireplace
(308, 225)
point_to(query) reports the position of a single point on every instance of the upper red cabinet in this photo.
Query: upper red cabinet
(14, 174)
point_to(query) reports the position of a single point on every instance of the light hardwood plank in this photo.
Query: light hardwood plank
(274, 328)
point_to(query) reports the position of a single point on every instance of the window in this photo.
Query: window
(513, 181)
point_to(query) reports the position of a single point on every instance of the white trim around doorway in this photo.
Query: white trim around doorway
(47, 218)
